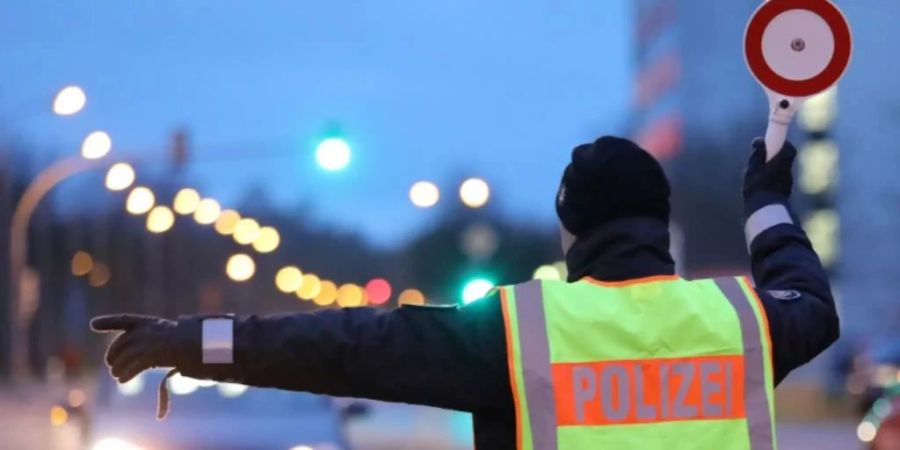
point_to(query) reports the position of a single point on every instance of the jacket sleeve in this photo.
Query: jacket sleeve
(447, 357)
(795, 294)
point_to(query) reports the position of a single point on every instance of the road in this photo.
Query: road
(25, 418)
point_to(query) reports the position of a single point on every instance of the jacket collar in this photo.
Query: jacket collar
(624, 249)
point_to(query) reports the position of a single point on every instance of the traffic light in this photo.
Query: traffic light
(475, 289)
(333, 154)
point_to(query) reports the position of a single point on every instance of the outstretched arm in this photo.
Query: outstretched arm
(790, 279)
(445, 357)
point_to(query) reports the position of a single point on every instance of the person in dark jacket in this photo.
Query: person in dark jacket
(614, 211)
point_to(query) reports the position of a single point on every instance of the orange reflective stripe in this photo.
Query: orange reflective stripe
(649, 390)
(511, 363)
(762, 313)
(631, 282)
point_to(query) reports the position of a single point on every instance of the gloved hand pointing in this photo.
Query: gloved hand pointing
(146, 342)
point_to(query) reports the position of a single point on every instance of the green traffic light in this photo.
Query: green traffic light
(476, 289)
(333, 154)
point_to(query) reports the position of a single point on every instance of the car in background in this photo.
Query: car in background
(210, 415)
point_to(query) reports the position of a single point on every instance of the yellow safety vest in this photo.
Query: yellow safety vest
(659, 363)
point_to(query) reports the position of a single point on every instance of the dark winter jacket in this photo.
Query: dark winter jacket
(455, 357)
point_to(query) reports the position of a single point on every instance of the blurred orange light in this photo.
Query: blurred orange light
(82, 263)
(327, 294)
(267, 241)
(58, 416)
(186, 201)
(288, 279)
(411, 297)
(227, 221)
(350, 295)
(99, 275)
(378, 291)
(309, 287)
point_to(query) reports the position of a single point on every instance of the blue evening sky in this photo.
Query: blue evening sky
(422, 90)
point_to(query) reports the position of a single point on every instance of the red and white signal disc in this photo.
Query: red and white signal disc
(797, 48)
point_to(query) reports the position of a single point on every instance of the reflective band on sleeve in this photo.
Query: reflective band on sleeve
(756, 400)
(536, 365)
(765, 218)
(218, 341)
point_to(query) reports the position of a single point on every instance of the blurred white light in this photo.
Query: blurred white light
(479, 241)
(132, 387)
(160, 219)
(206, 383)
(231, 390)
(240, 267)
(288, 279)
(818, 166)
(823, 227)
(546, 272)
(182, 385)
(302, 447)
(246, 231)
(424, 194)
(819, 111)
(267, 241)
(69, 100)
(140, 200)
(476, 289)
(866, 431)
(186, 201)
(333, 154)
(96, 145)
(207, 212)
(111, 443)
(474, 192)
(119, 177)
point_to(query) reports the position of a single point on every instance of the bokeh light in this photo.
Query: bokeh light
(186, 201)
(76, 398)
(327, 293)
(160, 219)
(58, 416)
(333, 154)
(82, 263)
(309, 287)
(267, 241)
(207, 212)
(474, 192)
(866, 431)
(476, 289)
(378, 291)
(182, 385)
(546, 272)
(288, 279)
(231, 390)
(240, 267)
(246, 231)
(411, 297)
(69, 100)
(99, 275)
(350, 295)
(96, 145)
(119, 177)
(227, 221)
(140, 200)
(424, 194)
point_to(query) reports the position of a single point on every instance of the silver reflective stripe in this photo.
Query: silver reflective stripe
(765, 218)
(756, 401)
(218, 341)
(535, 350)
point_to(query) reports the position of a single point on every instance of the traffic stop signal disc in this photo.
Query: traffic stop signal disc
(797, 48)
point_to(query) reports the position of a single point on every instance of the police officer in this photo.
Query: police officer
(625, 355)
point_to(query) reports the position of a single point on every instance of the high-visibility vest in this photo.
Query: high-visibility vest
(659, 363)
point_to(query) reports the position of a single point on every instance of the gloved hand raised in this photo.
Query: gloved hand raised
(146, 342)
(767, 183)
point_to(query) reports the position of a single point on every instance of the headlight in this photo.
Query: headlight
(114, 444)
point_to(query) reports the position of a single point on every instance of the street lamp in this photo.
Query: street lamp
(69, 100)
(23, 280)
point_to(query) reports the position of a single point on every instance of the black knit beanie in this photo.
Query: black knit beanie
(612, 178)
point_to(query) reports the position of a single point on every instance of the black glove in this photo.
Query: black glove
(766, 183)
(147, 342)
